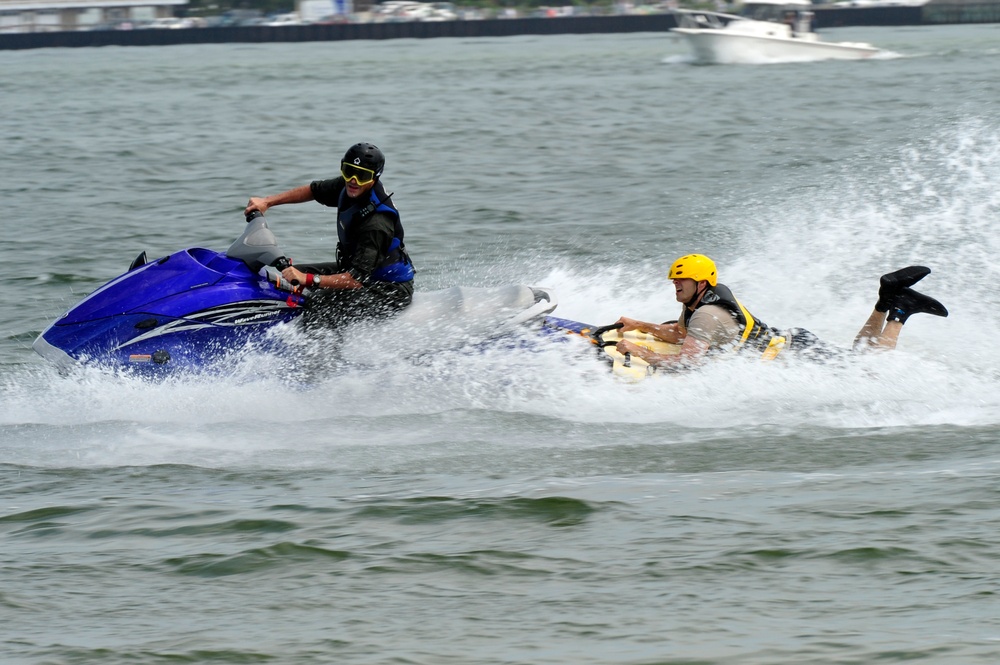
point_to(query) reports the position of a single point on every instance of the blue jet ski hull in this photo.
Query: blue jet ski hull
(195, 307)
(184, 310)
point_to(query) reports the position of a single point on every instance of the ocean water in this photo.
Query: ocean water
(513, 506)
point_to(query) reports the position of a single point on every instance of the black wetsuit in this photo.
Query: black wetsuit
(365, 249)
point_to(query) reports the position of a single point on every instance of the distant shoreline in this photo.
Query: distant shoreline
(828, 17)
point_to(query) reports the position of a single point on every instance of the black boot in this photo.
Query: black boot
(908, 302)
(892, 283)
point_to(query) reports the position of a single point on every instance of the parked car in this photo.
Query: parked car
(170, 23)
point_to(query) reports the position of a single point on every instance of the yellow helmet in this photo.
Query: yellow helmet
(694, 266)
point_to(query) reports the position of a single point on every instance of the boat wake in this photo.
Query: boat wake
(812, 263)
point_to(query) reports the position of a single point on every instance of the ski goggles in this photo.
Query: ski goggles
(359, 174)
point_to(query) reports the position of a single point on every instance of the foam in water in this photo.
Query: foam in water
(813, 264)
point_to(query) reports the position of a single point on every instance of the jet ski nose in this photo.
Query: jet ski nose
(53, 354)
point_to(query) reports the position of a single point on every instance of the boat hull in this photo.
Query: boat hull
(725, 47)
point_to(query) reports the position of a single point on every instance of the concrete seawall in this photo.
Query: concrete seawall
(825, 18)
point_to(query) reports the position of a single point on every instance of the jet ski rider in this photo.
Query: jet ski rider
(713, 320)
(373, 275)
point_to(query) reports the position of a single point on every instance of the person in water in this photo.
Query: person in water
(373, 275)
(712, 319)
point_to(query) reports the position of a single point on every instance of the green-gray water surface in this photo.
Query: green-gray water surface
(513, 507)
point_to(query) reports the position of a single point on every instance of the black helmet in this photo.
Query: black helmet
(366, 156)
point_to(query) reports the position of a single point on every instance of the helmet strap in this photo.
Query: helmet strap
(698, 294)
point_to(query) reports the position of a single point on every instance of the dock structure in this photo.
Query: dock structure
(844, 13)
(26, 24)
(961, 11)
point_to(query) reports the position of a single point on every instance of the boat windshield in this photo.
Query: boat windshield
(779, 12)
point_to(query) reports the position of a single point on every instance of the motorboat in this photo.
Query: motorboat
(765, 32)
(198, 307)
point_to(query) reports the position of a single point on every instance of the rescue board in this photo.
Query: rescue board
(605, 338)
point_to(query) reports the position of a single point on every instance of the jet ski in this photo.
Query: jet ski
(196, 306)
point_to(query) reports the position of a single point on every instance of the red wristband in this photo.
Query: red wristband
(310, 279)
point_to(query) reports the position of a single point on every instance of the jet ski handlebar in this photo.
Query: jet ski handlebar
(603, 329)
(259, 249)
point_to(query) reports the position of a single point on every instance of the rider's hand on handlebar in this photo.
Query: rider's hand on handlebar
(256, 203)
(294, 276)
